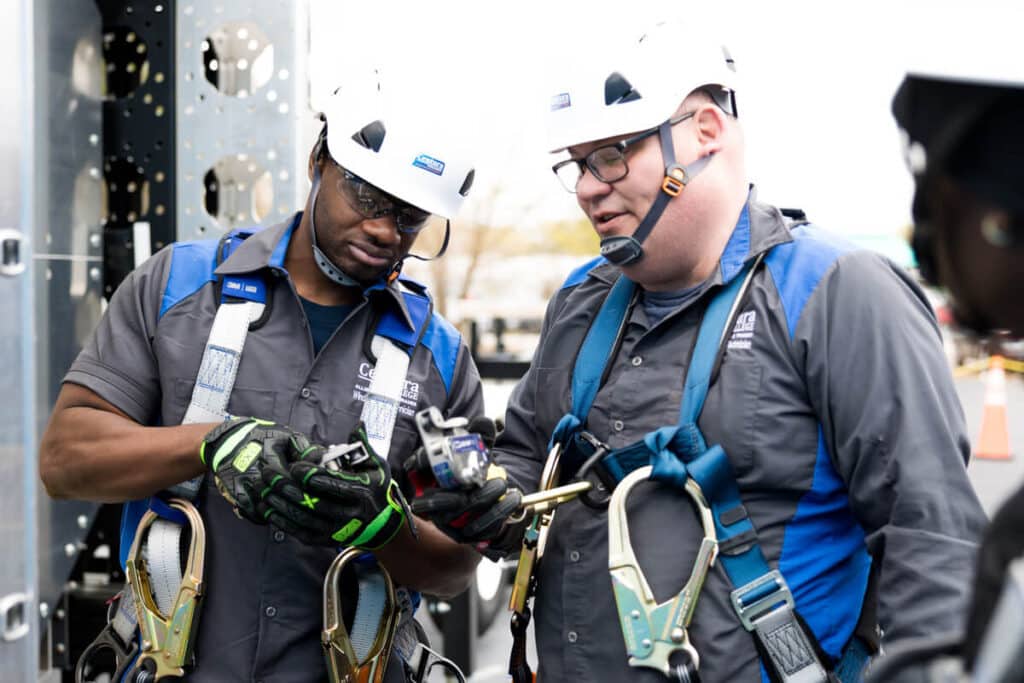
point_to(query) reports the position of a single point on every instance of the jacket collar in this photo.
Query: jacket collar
(759, 228)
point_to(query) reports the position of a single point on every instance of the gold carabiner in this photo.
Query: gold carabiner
(167, 638)
(344, 665)
(542, 505)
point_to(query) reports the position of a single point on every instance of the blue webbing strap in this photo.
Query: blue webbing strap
(709, 467)
(594, 355)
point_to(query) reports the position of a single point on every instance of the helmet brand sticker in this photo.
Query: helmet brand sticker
(560, 101)
(429, 163)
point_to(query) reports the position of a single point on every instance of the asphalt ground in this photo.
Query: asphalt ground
(994, 480)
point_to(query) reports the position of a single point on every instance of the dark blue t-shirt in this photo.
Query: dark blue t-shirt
(659, 304)
(323, 320)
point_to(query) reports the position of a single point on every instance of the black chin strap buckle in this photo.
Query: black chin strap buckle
(621, 250)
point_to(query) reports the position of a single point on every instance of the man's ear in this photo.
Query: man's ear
(710, 124)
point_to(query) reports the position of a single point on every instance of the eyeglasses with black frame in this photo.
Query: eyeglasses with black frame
(369, 201)
(606, 163)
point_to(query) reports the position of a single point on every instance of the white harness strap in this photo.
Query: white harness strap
(216, 379)
(380, 410)
(219, 366)
(369, 617)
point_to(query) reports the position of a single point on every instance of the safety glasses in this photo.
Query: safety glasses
(369, 201)
(606, 163)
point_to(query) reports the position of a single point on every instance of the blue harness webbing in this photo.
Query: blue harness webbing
(761, 597)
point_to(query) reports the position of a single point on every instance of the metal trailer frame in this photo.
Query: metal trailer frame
(18, 627)
(99, 171)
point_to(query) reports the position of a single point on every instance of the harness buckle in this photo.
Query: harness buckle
(766, 608)
(653, 632)
(761, 595)
(167, 638)
(344, 664)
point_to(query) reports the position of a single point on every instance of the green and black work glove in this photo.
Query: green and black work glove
(474, 515)
(238, 450)
(337, 496)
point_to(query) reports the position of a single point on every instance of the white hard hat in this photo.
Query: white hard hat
(636, 88)
(390, 143)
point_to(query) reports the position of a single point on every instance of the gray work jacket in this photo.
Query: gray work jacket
(262, 614)
(838, 413)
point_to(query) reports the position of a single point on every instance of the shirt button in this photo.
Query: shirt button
(271, 611)
(573, 637)
(279, 536)
(637, 360)
(574, 556)
(618, 426)
(305, 392)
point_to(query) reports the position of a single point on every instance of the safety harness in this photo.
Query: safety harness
(761, 599)
(154, 617)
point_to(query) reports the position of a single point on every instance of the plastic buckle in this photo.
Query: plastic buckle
(424, 660)
(674, 182)
(760, 596)
(108, 639)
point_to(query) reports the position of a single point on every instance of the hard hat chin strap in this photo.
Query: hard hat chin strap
(622, 250)
(326, 266)
(440, 252)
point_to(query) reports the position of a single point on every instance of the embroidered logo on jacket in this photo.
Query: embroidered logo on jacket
(410, 391)
(743, 331)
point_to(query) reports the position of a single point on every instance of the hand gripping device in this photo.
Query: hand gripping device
(456, 457)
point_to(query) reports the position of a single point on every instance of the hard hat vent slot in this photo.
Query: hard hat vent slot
(618, 90)
(467, 183)
(371, 136)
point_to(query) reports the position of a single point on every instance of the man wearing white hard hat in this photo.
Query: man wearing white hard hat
(337, 350)
(789, 386)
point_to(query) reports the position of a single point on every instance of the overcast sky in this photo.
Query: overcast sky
(818, 79)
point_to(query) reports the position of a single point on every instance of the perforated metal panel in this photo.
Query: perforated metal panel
(138, 139)
(242, 113)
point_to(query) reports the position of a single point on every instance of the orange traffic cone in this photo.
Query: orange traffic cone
(994, 440)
